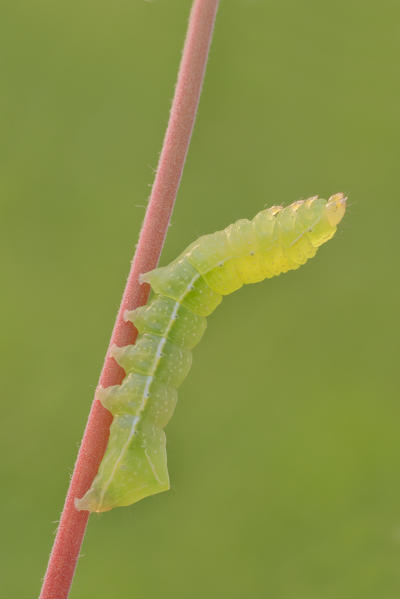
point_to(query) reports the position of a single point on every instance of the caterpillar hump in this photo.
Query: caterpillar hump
(186, 291)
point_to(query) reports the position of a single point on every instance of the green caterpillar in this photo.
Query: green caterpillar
(186, 291)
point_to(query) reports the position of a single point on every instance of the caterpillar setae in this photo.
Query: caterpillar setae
(186, 292)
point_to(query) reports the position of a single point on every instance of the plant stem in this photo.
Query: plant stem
(72, 526)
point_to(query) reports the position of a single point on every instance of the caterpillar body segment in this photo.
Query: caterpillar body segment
(186, 292)
(156, 318)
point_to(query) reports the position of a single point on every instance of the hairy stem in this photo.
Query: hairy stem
(71, 530)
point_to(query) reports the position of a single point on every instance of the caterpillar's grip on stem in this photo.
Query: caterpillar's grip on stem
(186, 291)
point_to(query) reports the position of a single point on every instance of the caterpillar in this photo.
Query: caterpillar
(186, 292)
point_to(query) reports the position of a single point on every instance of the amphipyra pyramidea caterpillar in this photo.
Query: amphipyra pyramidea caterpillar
(186, 292)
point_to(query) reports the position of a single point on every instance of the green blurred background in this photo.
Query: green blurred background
(284, 449)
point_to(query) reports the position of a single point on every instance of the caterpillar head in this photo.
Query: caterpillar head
(328, 214)
(335, 208)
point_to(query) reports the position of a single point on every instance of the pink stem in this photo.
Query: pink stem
(71, 530)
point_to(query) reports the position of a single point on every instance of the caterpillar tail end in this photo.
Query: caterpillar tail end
(96, 501)
(335, 208)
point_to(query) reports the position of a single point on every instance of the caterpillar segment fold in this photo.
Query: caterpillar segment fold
(186, 291)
